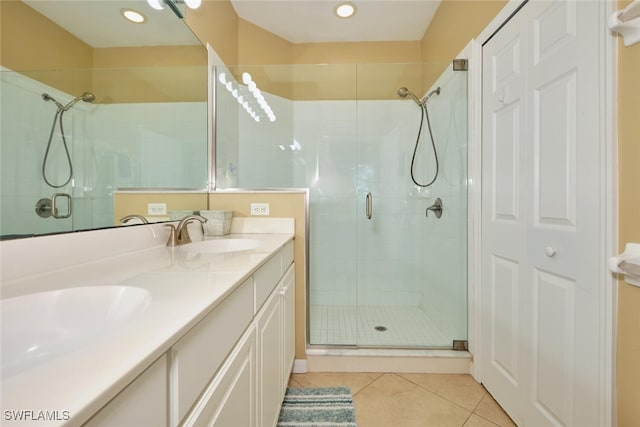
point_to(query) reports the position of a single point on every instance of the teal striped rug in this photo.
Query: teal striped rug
(322, 407)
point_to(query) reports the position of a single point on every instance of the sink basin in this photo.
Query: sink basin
(42, 326)
(219, 246)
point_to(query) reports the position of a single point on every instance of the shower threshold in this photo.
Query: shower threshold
(344, 359)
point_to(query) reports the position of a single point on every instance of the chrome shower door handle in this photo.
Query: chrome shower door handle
(54, 208)
(369, 206)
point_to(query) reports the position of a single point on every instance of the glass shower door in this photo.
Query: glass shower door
(411, 268)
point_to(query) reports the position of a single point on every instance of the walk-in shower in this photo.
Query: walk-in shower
(381, 273)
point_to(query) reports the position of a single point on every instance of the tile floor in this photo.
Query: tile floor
(413, 400)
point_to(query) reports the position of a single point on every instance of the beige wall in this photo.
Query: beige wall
(31, 43)
(150, 74)
(216, 23)
(455, 23)
(282, 205)
(628, 341)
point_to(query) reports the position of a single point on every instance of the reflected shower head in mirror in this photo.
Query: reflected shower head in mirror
(46, 97)
(86, 97)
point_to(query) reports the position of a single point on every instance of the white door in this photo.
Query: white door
(542, 219)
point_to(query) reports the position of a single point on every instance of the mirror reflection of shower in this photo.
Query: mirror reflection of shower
(424, 112)
(57, 119)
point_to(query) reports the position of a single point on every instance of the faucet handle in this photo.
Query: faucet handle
(172, 240)
(128, 218)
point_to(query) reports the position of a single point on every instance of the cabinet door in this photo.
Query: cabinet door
(269, 330)
(288, 307)
(200, 353)
(230, 399)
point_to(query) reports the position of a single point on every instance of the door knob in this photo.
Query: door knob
(549, 251)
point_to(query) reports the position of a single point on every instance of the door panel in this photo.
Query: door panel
(503, 218)
(541, 235)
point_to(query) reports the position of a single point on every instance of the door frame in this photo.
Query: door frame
(608, 194)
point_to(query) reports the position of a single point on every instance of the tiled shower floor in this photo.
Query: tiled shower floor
(350, 325)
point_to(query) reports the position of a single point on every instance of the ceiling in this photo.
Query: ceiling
(312, 21)
(99, 24)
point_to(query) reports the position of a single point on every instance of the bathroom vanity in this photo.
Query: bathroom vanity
(139, 334)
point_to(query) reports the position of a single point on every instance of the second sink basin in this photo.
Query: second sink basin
(219, 246)
(38, 327)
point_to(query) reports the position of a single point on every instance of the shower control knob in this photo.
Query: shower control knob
(550, 251)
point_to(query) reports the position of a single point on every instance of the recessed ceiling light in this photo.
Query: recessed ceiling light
(133, 16)
(345, 10)
(156, 4)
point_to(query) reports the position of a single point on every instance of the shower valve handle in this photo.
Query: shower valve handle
(436, 208)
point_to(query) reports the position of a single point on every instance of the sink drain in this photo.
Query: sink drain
(380, 328)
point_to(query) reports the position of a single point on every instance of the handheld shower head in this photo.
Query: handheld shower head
(404, 92)
(436, 91)
(46, 97)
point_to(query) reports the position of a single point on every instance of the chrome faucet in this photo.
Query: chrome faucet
(128, 218)
(180, 235)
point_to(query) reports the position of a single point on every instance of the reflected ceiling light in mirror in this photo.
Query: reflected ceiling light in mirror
(193, 4)
(345, 10)
(156, 4)
(133, 16)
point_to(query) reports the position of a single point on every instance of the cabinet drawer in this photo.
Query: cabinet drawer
(200, 353)
(266, 279)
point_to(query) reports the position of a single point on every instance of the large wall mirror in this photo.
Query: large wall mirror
(92, 103)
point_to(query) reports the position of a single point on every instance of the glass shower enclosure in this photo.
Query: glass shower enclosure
(382, 273)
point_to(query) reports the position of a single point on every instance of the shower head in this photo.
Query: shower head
(404, 92)
(86, 97)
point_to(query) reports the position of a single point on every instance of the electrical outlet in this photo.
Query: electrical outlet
(156, 209)
(259, 208)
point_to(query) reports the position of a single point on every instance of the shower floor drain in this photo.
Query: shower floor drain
(380, 328)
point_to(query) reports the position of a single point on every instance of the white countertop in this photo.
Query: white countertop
(184, 287)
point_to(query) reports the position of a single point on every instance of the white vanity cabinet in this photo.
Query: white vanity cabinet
(231, 369)
(249, 387)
